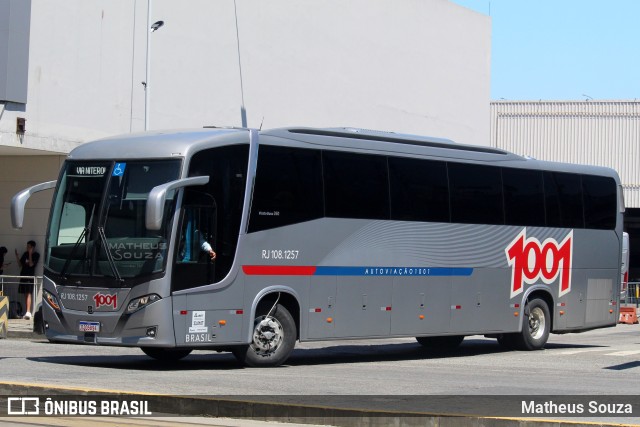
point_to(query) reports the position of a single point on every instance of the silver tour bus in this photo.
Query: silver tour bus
(322, 234)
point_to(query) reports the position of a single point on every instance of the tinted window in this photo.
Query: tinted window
(600, 202)
(563, 196)
(523, 197)
(288, 187)
(227, 171)
(197, 233)
(419, 190)
(476, 194)
(356, 185)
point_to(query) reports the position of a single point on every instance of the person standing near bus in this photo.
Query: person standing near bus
(3, 252)
(28, 263)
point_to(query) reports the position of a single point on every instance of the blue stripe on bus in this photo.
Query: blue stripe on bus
(295, 270)
(392, 271)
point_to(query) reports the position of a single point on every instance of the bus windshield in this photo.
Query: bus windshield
(97, 227)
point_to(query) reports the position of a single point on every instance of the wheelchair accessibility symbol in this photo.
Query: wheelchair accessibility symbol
(119, 169)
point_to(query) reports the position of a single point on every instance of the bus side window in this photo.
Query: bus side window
(193, 266)
(196, 234)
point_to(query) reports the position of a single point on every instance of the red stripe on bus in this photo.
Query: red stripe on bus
(278, 270)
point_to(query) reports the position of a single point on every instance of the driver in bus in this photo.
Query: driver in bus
(205, 246)
(193, 234)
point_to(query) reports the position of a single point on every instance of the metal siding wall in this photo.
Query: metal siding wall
(15, 23)
(603, 133)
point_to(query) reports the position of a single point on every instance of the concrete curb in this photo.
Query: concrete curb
(263, 408)
(24, 335)
(22, 329)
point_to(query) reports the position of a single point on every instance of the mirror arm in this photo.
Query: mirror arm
(20, 200)
(158, 197)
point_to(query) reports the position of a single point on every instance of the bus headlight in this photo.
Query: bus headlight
(51, 300)
(139, 303)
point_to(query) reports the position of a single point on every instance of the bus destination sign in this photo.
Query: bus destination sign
(91, 170)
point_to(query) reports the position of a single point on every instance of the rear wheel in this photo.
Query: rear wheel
(273, 339)
(537, 325)
(166, 354)
(444, 343)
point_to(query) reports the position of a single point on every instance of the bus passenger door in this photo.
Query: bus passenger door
(193, 265)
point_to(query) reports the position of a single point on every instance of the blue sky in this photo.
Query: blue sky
(563, 49)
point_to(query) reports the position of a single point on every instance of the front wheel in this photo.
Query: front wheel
(166, 354)
(537, 325)
(273, 339)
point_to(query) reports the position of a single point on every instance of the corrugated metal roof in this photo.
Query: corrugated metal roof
(603, 133)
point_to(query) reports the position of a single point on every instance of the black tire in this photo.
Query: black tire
(440, 344)
(38, 323)
(166, 354)
(536, 327)
(273, 339)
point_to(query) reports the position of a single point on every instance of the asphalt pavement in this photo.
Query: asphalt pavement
(374, 382)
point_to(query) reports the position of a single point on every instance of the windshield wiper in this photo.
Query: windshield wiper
(85, 233)
(112, 263)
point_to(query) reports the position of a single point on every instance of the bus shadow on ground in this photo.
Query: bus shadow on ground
(405, 351)
(193, 362)
(334, 354)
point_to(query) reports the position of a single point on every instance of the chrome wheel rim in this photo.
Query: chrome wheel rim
(267, 335)
(537, 323)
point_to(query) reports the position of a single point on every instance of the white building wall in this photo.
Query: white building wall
(412, 66)
(604, 133)
(416, 66)
(17, 173)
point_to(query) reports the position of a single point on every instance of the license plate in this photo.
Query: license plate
(89, 326)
